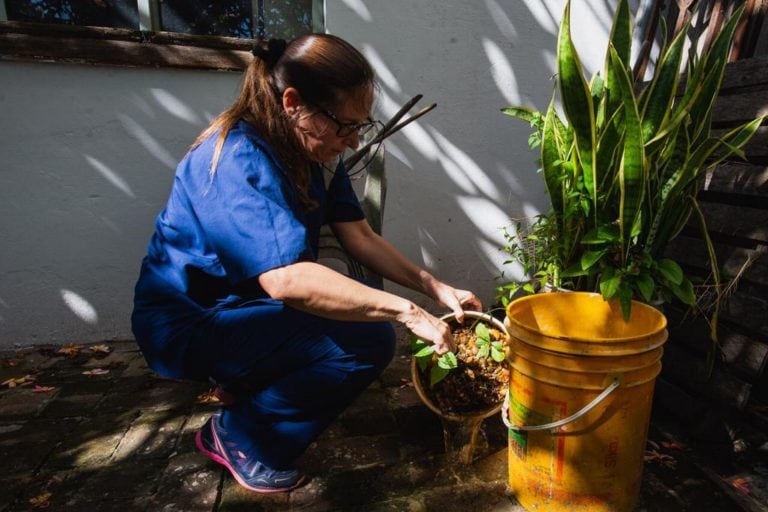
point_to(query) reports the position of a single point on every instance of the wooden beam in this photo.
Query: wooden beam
(748, 31)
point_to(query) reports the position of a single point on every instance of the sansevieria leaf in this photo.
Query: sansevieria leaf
(621, 33)
(632, 170)
(577, 101)
(663, 88)
(552, 161)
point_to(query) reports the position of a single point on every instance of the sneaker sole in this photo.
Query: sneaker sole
(221, 460)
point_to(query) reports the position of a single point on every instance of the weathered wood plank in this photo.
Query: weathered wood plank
(750, 263)
(745, 355)
(738, 178)
(740, 108)
(674, 400)
(689, 371)
(757, 147)
(748, 307)
(119, 52)
(59, 31)
(745, 73)
(736, 220)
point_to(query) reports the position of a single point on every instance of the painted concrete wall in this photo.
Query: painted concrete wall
(458, 177)
(87, 154)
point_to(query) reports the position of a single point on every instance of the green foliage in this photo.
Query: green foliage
(439, 366)
(622, 169)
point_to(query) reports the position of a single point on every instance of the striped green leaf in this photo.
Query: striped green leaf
(632, 172)
(552, 161)
(577, 101)
(663, 88)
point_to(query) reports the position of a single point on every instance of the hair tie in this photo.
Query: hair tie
(269, 51)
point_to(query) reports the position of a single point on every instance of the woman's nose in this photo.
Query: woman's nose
(352, 140)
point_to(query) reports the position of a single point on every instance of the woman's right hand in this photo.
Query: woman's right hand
(428, 328)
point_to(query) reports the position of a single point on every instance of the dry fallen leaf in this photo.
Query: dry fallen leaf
(673, 446)
(19, 381)
(71, 350)
(742, 484)
(100, 349)
(406, 383)
(663, 459)
(43, 389)
(209, 397)
(41, 501)
(96, 371)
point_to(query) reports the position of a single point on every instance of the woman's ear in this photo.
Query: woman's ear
(291, 101)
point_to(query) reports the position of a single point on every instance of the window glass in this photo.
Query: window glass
(98, 13)
(208, 18)
(286, 19)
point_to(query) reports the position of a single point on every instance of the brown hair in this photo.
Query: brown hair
(323, 68)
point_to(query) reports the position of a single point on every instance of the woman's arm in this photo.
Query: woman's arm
(317, 289)
(373, 251)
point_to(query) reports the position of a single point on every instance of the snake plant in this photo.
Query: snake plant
(622, 167)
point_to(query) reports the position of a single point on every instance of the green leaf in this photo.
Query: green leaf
(714, 61)
(417, 344)
(436, 374)
(684, 292)
(670, 270)
(482, 332)
(663, 88)
(497, 352)
(621, 33)
(483, 350)
(601, 234)
(577, 101)
(526, 114)
(645, 285)
(425, 351)
(589, 258)
(632, 173)
(625, 298)
(447, 361)
(609, 284)
(552, 161)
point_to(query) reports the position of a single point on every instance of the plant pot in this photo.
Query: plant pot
(461, 429)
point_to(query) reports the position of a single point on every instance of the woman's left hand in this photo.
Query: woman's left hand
(456, 300)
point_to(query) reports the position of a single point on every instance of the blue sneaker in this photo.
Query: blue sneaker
(249, 473)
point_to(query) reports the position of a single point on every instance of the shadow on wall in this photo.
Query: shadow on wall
(468, 159)
(87, 167)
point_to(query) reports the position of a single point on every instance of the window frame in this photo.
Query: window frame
(145, 47)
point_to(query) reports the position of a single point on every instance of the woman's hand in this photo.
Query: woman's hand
(428, 328)
(456, 300)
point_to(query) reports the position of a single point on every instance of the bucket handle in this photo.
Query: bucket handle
(556, 424)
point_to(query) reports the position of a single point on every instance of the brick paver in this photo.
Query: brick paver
(101, 432)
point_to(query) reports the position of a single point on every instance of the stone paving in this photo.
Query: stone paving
(89, 427)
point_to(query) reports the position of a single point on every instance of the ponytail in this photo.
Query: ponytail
(321, 67)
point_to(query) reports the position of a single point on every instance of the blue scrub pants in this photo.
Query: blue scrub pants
(292, 373)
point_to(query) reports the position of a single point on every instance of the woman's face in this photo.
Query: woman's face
(325, 133)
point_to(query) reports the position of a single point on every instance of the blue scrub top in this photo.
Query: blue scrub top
(219, 232)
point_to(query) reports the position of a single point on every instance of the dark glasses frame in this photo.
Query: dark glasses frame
(347, 129)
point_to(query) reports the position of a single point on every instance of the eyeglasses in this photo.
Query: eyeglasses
(347, 129)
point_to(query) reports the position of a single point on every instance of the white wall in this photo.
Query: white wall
(459, 175)
(87, 157)
(88, 154)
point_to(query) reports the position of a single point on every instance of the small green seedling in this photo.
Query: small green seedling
(485, 346)
(440, 366)
(425, 353)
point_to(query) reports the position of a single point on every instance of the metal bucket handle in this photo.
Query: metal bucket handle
(556, 424)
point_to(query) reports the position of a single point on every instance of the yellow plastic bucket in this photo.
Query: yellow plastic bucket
(579, 400)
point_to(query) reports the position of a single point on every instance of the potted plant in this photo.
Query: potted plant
(466, 385)
(622, 168)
